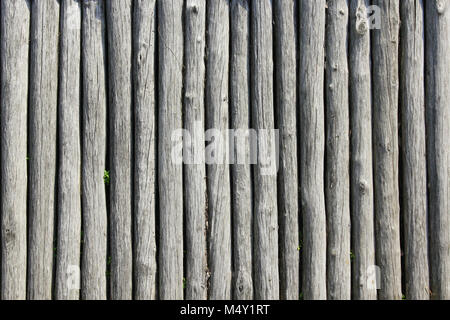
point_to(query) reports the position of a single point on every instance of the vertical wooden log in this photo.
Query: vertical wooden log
(385, 43)
(265, 183)
(286, 106)
(69, 175)
(15, 28)
(240, 171)
(93, 151)
(144, 39)
(337, 176)
(361, 151)
(118, 15)
(195, 169)
(414, 149)
(42, 143)
(312, 147)
(170, 175)
(438, 145)
(218, 179)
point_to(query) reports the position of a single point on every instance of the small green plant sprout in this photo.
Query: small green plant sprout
(403, 297)
(109, 261)
(301, 296)
(106, 177)
(184, 283)
(352, 255)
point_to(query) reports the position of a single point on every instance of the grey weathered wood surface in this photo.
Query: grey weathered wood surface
(42, 146)
(312, 147)
(286, 108)
(195, 169)
(170, 173)
(93, 147)
(337, 177)
(14, 48)
(144, 60)
(414, 173)
(266, 277)
(363, 117)
(218, 174)
(67, 281)
(385, 44)
(438, 146)
(361, 177)
(241, 172)
(118, 16)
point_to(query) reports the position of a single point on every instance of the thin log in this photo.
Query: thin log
(42, 146)
(67, 277)
(93, 151)
(15, 28)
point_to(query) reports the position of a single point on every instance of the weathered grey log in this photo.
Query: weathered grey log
(438, 144)
(218, 174)
(362, 206)
(240, 170)
(118, 15)
(170, 174)
(265, 180)
(69, 170)
(414, 173)
(337, 151)
(144, 42)
(286, 107)
(312, 147)
(93, 151)
(337, 176)
(15, 28)
(385, 43)
(42, 143)
(194, 147)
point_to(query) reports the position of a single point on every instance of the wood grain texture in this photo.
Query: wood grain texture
(218, 174)
(119, 28)
(14, 48)
(170, 173)
(361, 178)
(93, 151)
(69, 170)
(266, 276)
(194, 168)
(42, 146)
(438, 144)
(385, 44)
(337, 176)
(414, 173)
(241, 179)
(144, 41)
(312, 147)
(286, 114)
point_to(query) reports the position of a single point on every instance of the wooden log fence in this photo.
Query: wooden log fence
(224, 149)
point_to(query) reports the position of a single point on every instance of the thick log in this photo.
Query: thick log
(438, 144)
(15, 28)
(42, 145)
(67, 280)
(118, 16)
(337, 176)
(286, 108)
(385, 44)
(312, 147)
(265, 178)
(218, 174)
(194, 168)
(414, 173)
(170, 173)
(93, 151)
(361, 177)
(241, 179)
(144, 41)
